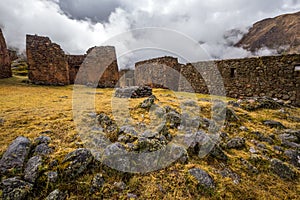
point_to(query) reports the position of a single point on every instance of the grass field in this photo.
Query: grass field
(28, 110)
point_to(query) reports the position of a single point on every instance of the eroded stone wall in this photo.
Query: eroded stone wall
(158, 72)
(47, 62)
(100, 68)
(74, 63)
(126, 78)
(272, 76)
(5, 62)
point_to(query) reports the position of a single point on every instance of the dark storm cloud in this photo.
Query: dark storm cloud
(96, 11)
(79, 24)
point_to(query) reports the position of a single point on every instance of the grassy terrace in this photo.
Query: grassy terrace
(28, 110)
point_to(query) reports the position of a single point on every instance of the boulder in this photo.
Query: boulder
(97, 183)
(282, 170)
(32, 169)
(78, 162)
(236, 143)
(274, 124)
(203, 178)
(15, 189)
(15, 155)
(57, 195)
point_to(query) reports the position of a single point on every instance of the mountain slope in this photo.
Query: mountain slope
(281, 33)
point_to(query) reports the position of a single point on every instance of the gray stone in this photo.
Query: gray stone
(78, 162)
(15, 189)
(203, 178)
(52, 177)
(173, 119)
(147, 103)
(15, 155)
(190, 103)
(236, 143)
(57, 195)
(32, 169)
(149, 134)
(294, 157)
(282, 170)
(120, 185)
(42, 140)
(249, 167)
(218, 153)
(97, 183)
(42, 150)
(287, 138)
(274, 124)
(131, 196)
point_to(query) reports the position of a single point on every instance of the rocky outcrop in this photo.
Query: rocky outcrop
(5, 68)
(15, 155)
(281, 33)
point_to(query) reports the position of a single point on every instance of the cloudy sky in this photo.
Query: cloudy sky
(79, 24)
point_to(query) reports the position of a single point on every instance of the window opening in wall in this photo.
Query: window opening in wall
(232, 72)
(77, 67)
(297, 68)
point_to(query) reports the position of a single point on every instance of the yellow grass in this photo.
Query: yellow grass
(29, 110)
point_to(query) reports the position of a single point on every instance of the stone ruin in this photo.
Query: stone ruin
(271, 76)
(49, 65)
(5, 68)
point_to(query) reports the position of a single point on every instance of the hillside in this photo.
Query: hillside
(257, 156)
(281, 33)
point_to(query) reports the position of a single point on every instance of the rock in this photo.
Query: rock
(32, 169)
(131, 196)
(97, 183)
(120, 185)
(42, 140)
(42, 150)
(109, 126)
(236, 143)
(15, 155)
(173, 119)
(147, 103)
(274, 124)
(256, 103)
(203, 178)
(52, 177)
(57, 195)
(190, 103)
(282, 170)
(294, 157)
(149, 134)
(249, 167)
(217, 153)
(15, 189)
(78, 162)
(229, 173)
(287, 138)
(133, 92)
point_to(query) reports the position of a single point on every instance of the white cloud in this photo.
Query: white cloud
(204, 21)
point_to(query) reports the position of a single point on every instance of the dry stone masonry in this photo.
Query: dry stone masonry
(47, 62)
(100, 68)
(49, 65)
(5, 69)
(271, 76)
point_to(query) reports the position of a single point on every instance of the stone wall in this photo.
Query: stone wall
(158, 72)
(100, 68)
(272, 76)
(5, 62)
(13, 54)
(126, 78)
(74, 62)
(47, 62)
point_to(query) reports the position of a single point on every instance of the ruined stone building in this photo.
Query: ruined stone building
(158, 72)
(49, 65)
(5, 62)
(272, 76)
(126, 78)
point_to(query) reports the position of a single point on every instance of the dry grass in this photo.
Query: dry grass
(29, 110)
